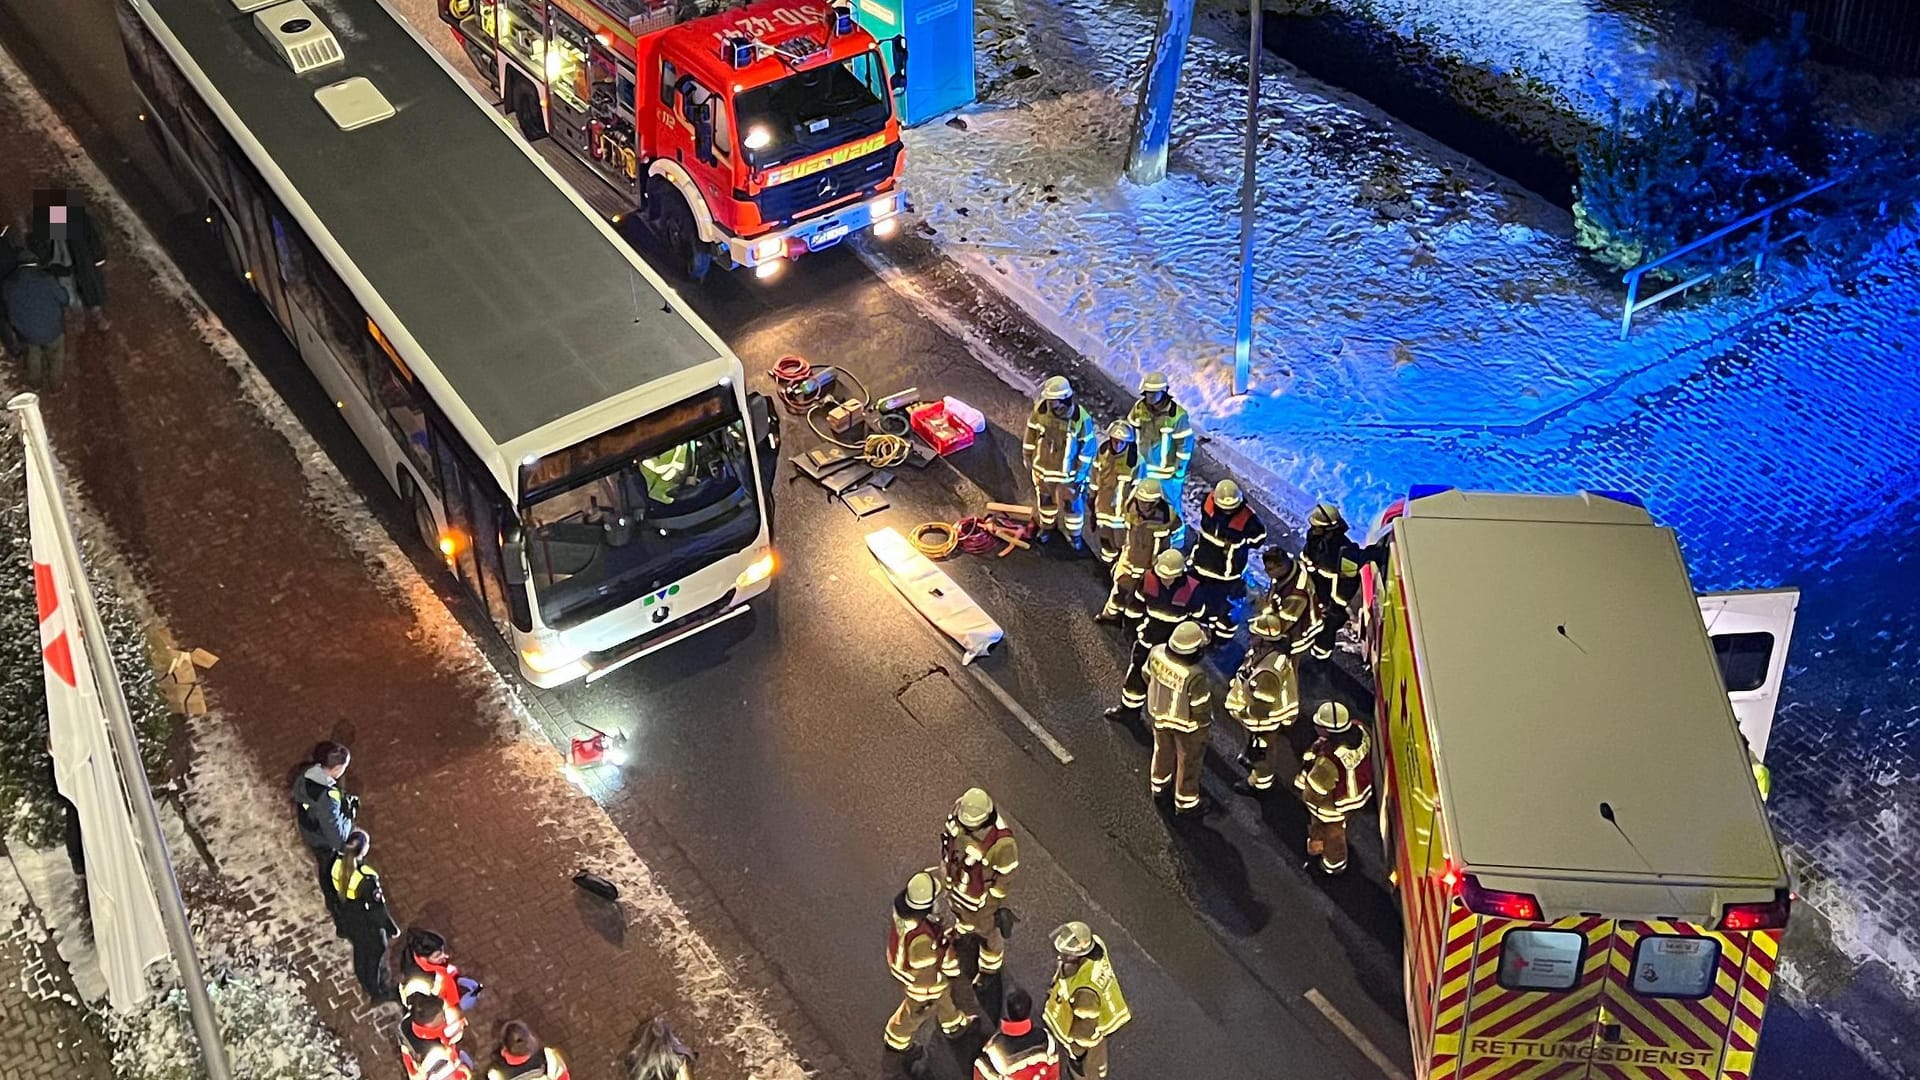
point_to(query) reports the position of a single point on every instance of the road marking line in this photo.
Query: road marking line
(1053, 745)
(1381, 1061)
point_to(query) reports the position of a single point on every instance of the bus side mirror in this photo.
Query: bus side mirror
(766, 424)
(513, 559)
(898, 81)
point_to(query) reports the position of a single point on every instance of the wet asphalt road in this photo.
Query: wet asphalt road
(804, 756)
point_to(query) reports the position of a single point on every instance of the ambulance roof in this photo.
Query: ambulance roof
(1564, 664)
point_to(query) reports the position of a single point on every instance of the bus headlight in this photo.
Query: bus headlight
(761, 570)
(546, 657)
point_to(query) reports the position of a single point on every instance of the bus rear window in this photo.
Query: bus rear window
(1541, 959)
(1675, 967)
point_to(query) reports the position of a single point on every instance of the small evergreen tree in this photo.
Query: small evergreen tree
(1639, 181)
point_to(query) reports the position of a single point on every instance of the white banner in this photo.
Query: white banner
(127, 932)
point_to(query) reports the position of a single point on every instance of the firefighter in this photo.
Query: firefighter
(978, 856)
(1166, 442)
(918, 945)
(522, 1056)
(1059, 456)
(430, 1040)
(1168, 594)
(1290, 599)
(1335, 779)
(1332, 561)
(1110, 486)
(1084, 1004)
(1020, 1050)
(1229, 533)
(1149, 531)
(425, 969)
(1264, 697)
(1179, 700)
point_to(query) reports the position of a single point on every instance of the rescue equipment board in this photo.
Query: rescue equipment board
(934, 595)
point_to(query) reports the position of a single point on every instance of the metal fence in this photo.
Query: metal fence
(1882, 34)
(1734, 253)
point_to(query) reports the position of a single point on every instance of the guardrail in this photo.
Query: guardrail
(1768, 244)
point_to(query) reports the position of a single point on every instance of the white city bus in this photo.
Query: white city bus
(575, 443)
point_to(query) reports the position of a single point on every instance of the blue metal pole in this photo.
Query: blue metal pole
(1249, 187)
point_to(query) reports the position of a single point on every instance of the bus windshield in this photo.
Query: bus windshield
(641, 521)
(815, 110)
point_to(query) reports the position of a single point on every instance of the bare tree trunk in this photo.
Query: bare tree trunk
(1153, 118)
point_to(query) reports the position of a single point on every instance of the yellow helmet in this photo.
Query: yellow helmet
(1150, 491)
(973, 808)
(1226, 495)
(1170, 563)
(1266, 626)
(1188, 638)
(921, 889)
(1332, 716)
(1056, 389)
(1120, 431)
(1325, 516)
(1073, 940)
(1154, 382)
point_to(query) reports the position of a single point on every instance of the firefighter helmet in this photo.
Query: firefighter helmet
(1332, 716)
(1325, 516)
(1188, 638)
(1056, 389)
(1267, 626)
(1073, 940)
(1154, 382)
(1120, 431)
(1150, 491)
(921, 889)
(1170, 563)
(974, 808)
(1226, 495)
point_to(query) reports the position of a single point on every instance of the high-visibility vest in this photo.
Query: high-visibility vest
(417, 977)
(976, 864)
(1110, 1011)
(1032, 1056)
(916, 947)
(1111, 485)
(349, 883)
(549, 1065)
(1059, 449)
(1265, 695)
(1336, 774)
(1177, 691)
(1165, 440)
(1147, 535)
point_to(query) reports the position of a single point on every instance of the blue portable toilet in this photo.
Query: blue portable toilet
(939, 39)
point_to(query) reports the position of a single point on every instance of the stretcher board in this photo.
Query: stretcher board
(934, 595)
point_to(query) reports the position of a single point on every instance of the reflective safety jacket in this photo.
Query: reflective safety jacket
(1178, 692)
(546, 1065)
(1032, 1054)
(1265, 693)
(1165, 439)
(1332, 562)
(978, 863)
(1336, 774)
(1059, 450)
(1150, 529)
(917, 948)
(1162, 604)
(1227, 540)
(1112, 481)
(1085, 1005)
(418, 976)
(430, 1054)
(1298, 609)
(354, 881)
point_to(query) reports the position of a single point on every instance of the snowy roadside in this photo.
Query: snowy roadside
(258, 896)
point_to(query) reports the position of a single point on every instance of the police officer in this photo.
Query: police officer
(325, 814)
(1166, 441)
(1110, 486)
(1179, 697)
(1265, 698)
(1084, 1005)
(369, 926)
(1168, 594)
(1020, 1050)
(978, 856)
(522, 1056)
(1335, 779)
(918, 946)
(1149, 532)
(1059, 455)
(1229, 533)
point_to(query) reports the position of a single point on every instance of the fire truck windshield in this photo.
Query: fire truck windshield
(658, 516)
(814, 110)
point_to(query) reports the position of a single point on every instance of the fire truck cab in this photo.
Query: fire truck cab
(748, 136)
(1590, 886)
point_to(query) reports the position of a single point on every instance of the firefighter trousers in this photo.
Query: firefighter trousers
(1178, 757)
(1133, 692)
(1328, 839)
(1061, 504)
(984, 929)
(1216, 605)
(1086, 1064)
(1333, 617)
(1259, 759)
(1126, 580)
(913, 1012)
(1109, 541)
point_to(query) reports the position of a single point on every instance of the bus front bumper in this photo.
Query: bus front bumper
(879, 212)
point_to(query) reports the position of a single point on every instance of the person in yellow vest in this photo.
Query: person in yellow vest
(1084, 1005)
(978, 856)
(1149, 532)
(1059, 456)
(1109, 489)
(1335, 779)
(522, 1056)
(1178, 700)
(918, 944)
(369, 926)
(1166, 442)
(1290, 599)
(1265, 698)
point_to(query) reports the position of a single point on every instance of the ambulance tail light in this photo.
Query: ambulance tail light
(1507, 905)
(1770, 915)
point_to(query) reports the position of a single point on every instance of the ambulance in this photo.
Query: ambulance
(1577, 840)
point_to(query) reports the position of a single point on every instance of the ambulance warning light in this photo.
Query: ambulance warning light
(1771, 915)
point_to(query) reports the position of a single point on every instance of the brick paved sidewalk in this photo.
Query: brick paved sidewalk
(249, 546)
(47, 1033)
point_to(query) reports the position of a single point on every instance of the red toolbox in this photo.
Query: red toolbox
(940, 430)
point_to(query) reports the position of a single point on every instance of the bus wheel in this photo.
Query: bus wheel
(526, 110)
(423, 521)
(690, 257)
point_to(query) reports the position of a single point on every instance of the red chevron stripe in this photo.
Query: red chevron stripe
(44, 592)
(59, 657)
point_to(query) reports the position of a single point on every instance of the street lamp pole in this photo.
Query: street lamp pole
(1243, 329)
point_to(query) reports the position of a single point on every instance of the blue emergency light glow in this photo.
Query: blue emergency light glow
(1627, 497)
(842, 19)
(738, 51)
(1421, 491)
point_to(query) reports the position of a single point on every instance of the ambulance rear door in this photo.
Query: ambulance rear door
(1679, 1003)
(1750, 630)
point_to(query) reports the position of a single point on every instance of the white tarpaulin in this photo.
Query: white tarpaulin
(934, 595)
(126, 918)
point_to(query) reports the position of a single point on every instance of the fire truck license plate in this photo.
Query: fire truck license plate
(827, 237)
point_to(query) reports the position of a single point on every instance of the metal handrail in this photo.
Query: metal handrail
(1767, 244)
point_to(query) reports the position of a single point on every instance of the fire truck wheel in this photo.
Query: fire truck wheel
(526, 110)
(690, 257)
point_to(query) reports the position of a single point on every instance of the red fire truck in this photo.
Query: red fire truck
(751, 135)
